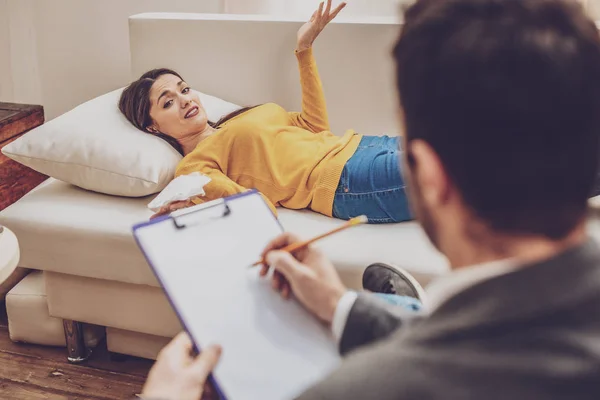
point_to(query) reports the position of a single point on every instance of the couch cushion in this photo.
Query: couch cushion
(66, 229)
(134, 343)
(29, 320)
(138, 308)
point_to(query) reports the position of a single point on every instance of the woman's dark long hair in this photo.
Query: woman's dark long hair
(135, 106)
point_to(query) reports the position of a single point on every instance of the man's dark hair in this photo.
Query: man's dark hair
(507, 92)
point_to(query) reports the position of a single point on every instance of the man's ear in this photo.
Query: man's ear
(429, 172)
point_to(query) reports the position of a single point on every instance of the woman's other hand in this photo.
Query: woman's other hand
(311, 30)
(174, 206)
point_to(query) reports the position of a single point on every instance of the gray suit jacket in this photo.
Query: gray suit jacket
(531, 334)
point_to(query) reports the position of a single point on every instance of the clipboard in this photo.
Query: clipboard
(272, 348)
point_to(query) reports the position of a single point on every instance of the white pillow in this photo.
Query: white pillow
(94, 147)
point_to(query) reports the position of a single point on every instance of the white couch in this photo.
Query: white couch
(82, 240)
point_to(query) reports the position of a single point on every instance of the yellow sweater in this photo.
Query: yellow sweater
(291, 158)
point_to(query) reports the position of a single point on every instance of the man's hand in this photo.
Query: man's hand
(313, 28)
(308, 274)
(178, 375)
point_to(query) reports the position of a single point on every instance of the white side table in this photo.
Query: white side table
(10, 273)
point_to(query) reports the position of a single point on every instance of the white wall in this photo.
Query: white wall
(60, 53)
(593, 7)
(307, 7)
(354, 8)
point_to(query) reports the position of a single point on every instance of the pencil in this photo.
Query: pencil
(301, 245)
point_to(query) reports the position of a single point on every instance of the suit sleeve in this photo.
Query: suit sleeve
(387, 370)
(371, 319)
(378, 363)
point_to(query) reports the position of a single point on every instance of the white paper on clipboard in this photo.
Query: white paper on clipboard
(272, 348)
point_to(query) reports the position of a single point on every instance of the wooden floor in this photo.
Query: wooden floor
(30, 372)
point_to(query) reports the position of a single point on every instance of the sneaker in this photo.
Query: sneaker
(384, 278)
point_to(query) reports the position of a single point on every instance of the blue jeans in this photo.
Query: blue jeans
(371, 183)
(411, 304)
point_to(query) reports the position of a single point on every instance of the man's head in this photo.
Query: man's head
(501, 105)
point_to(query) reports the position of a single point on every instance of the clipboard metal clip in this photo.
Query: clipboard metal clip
(190, 217)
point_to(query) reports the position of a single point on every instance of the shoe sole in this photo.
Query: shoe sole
(407, 277)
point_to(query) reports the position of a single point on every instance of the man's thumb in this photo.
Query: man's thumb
(206, 362)
(283, 262)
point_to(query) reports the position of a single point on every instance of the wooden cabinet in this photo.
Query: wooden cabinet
(16, 180)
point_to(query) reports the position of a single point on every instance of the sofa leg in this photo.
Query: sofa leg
(76, 350)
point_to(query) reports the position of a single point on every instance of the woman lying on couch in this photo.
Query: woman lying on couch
(291, 158)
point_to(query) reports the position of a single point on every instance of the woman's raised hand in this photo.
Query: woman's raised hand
(311, 30)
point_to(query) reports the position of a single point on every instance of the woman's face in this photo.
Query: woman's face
(175, 109)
